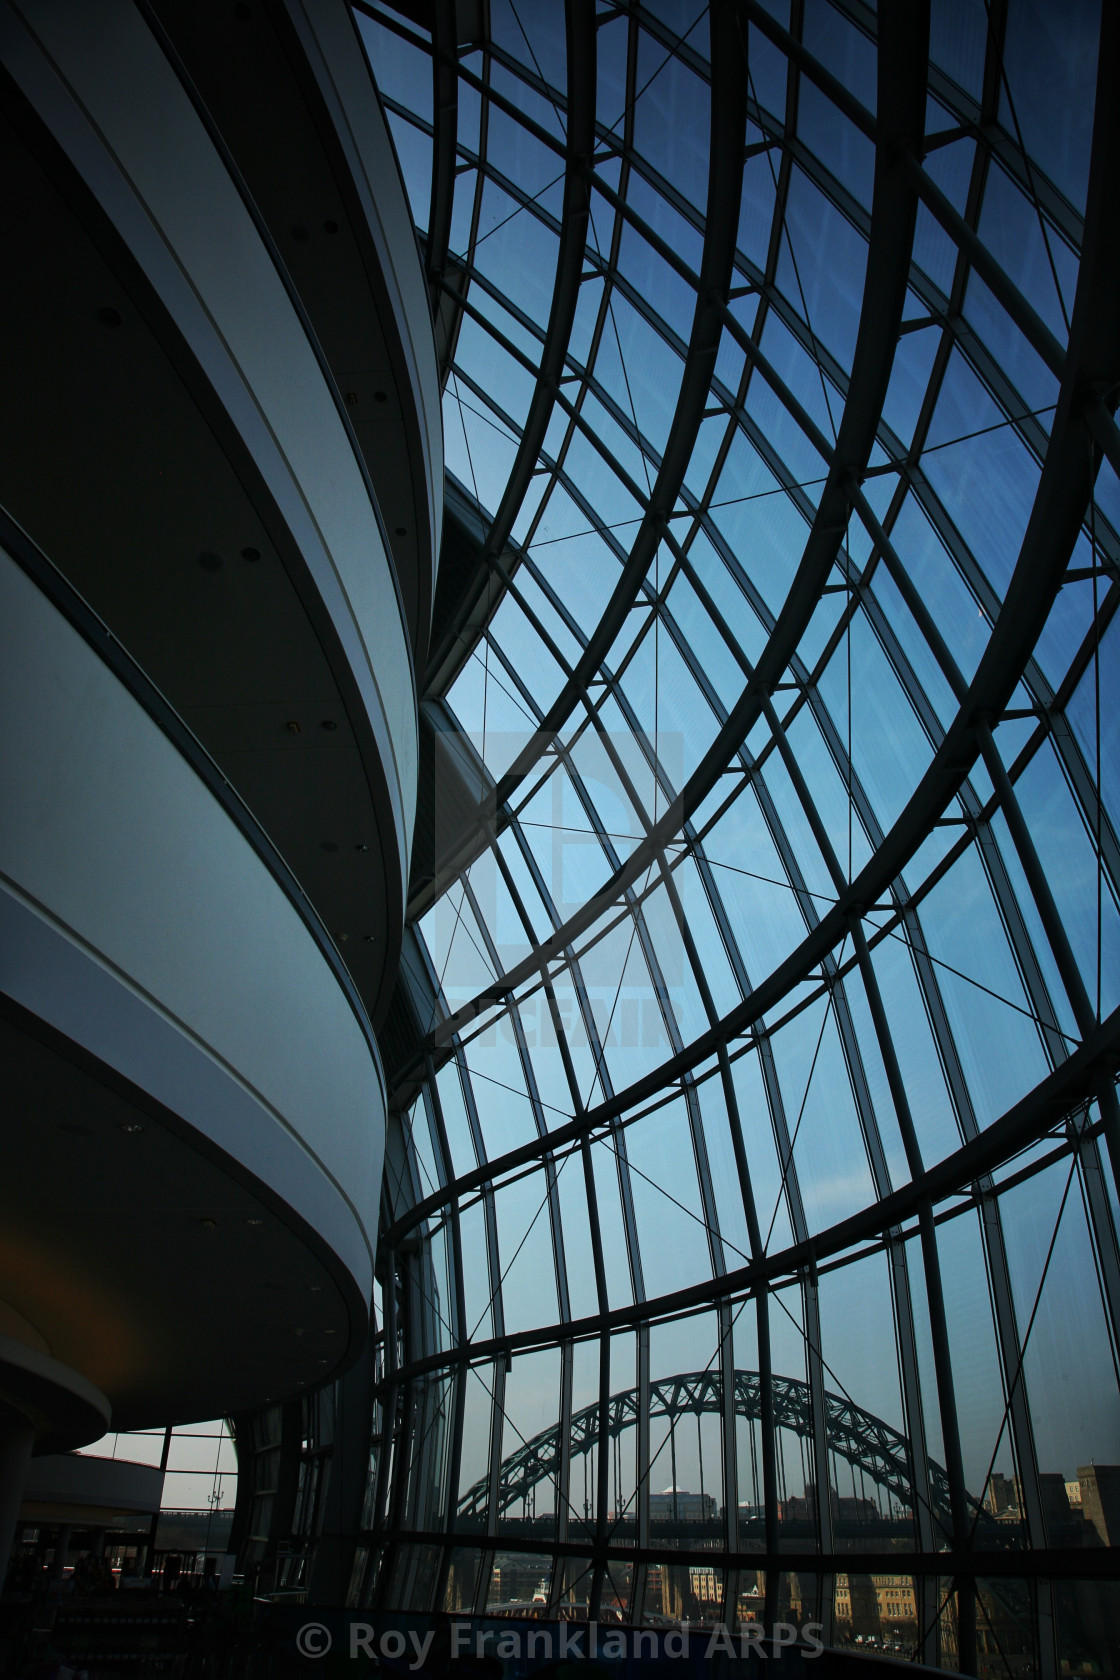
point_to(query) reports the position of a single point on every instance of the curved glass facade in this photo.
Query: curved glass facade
(755, 1052)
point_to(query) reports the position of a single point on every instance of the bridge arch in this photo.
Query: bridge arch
(864, 1441)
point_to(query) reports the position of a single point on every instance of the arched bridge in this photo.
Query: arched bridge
(863, 1441)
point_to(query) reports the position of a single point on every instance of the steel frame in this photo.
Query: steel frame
(1086, 368)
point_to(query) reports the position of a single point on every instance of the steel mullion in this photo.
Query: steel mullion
(1082, 787)
(494, 1469)
(641, 1471)
(599, 1548)
(570, 255)
(1102, 1229)
(723, 185)
(814, 1362)
(991, 1227)
(459, 1379)
(1069, 972)
(445, 119)
(692, 1105)
(729, 1447)
(1014, 1376)
(493, 1259)
(946, 1388)
(942, 1357)
(902, 1302)
(390, 1494)
(861, 1092)
(564, 1465)
(703, 1170)
(1032, 979)
(558, 1258)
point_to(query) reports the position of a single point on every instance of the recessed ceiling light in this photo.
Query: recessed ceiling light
(250, 554)
(209, 1224)
(131, 1126)
(254, 1222)
(329, 725)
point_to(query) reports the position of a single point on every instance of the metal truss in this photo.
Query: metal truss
(852, 547)
(865, 1442)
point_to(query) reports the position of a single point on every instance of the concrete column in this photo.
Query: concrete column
(16, 1439)
(61, 1550)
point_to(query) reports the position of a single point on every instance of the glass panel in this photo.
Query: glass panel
(1049, 69)
(669, 1165)
(1067, 1371)
(672, 1230)
(525, 1247)
(828, 295)
(671, 124)
(871, 1490)
(531, 1398)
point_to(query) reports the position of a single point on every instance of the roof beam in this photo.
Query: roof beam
(445, 132)
(725, 180)
(581, 43)
(893, 215)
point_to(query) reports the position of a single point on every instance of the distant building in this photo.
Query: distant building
(1100, 1500)
(1004, 1500)
(889, 1599)
(1002, 1495)
(845, 1509)
(706, 1583)
(678, 1505)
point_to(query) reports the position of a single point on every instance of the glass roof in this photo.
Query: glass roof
(756, 1021)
